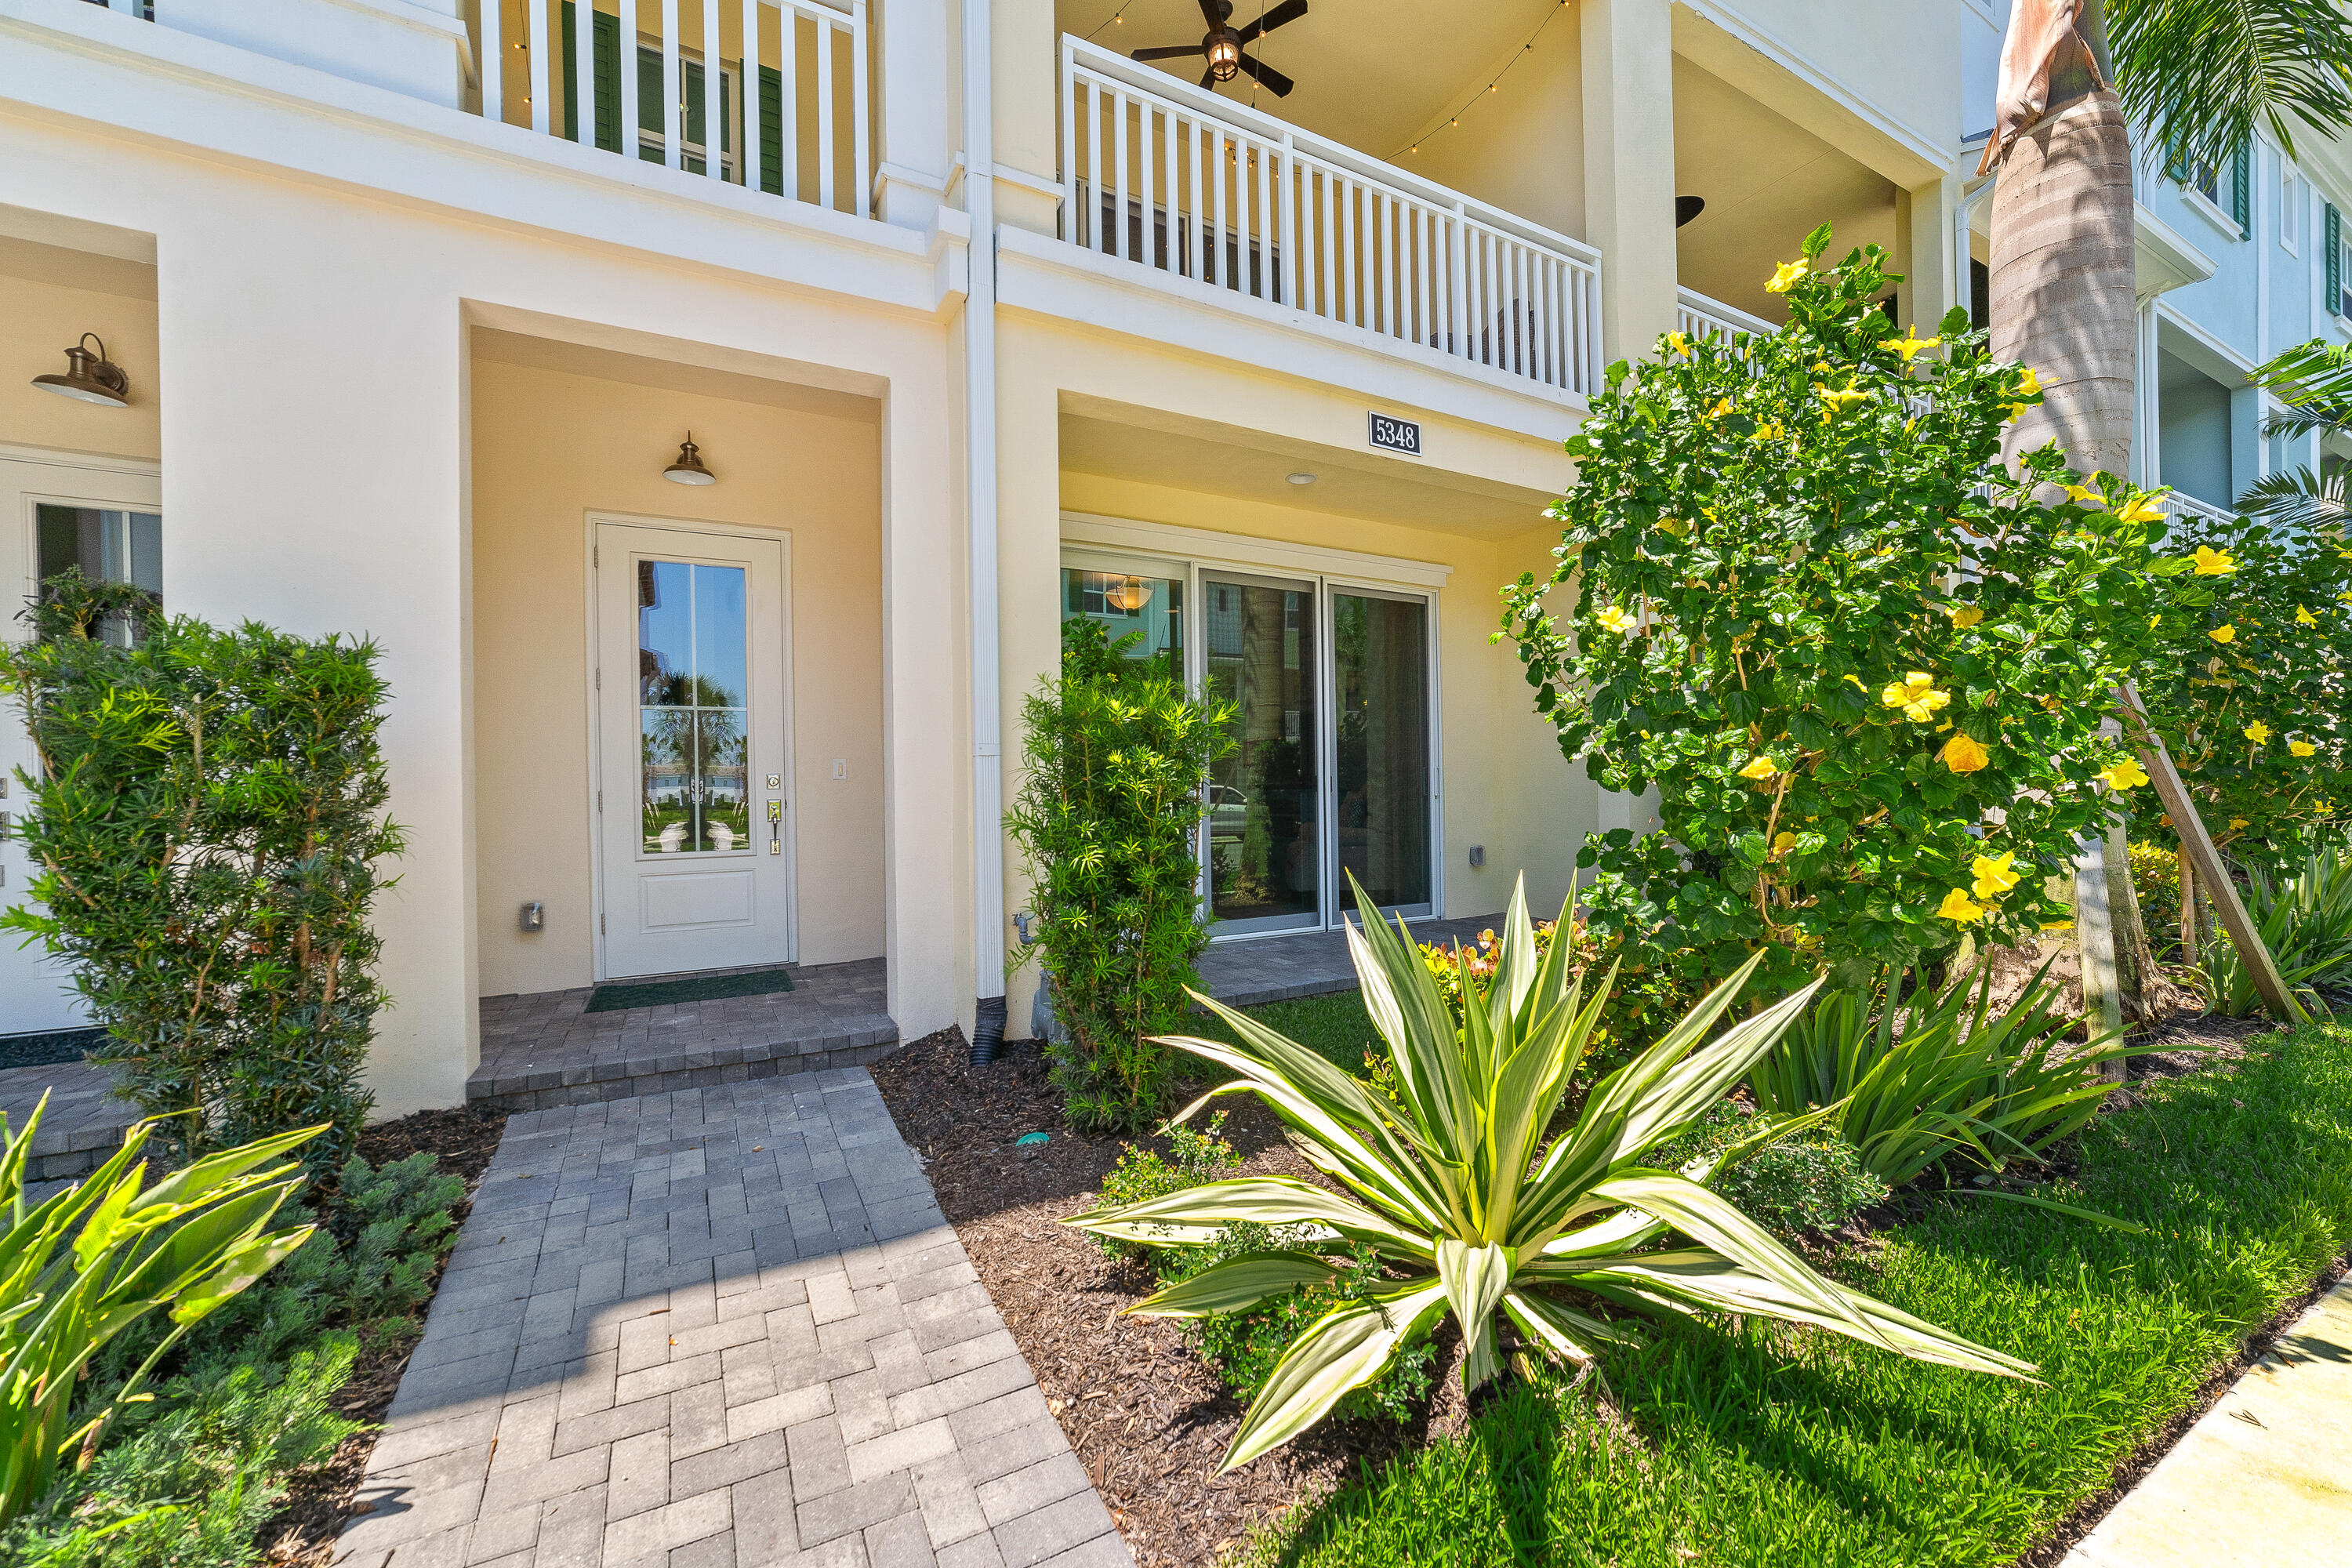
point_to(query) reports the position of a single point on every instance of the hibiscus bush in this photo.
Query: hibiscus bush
(1864, 667)
(2247, 688)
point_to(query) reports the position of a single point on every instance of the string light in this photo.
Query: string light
(1454, 121)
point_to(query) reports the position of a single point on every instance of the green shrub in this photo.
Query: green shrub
(1809, 1181)
(2304, 915)
(1199, 1157)
(1470, 1211)
(206, 822)
(95, 1259)
(1114, 751)
(191, 1477)
(1810, 606)
(1939, 1074)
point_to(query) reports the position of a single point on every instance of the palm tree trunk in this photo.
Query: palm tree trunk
(2063, 298)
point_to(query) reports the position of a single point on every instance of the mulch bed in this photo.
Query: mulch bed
(320, 1501)
(1147, 1418)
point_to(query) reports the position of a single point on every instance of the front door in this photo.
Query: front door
(101, 516)
(694, 826)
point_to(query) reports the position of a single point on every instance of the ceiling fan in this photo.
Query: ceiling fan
(1223, 48)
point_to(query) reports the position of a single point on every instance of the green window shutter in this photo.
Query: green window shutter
(606, 85)
(2175, 162)
(2241, 188)
(771, 130)
(2335, 261)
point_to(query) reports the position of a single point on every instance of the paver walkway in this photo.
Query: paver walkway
(2264, 1479)
(721, 1326)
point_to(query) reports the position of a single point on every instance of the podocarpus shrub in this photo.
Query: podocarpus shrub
(1864, 667)
(1114, 751)
(206, 826)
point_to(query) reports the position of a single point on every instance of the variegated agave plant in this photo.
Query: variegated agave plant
(1453, 1187)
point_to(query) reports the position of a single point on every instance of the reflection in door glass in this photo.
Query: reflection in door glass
(1380, 662)
(1264, 856)
(1124, 604)
(105, 546)
(694, 738)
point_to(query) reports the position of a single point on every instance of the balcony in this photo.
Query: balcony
(802, 131)
(1697, 317)
(1182, 181)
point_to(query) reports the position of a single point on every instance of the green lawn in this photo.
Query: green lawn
(1766, 1447)
(1335, 1026)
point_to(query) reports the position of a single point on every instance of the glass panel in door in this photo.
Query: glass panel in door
(106, 546)
(1379, 656)
(1266, 852)
(692, 630)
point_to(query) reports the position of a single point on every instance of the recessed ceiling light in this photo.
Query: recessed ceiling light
(1302, 478)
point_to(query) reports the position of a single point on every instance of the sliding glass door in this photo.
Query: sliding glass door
(1264, 864)
(1379, 658)
(1333, 769)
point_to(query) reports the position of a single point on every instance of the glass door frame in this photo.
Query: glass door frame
(1192, 569)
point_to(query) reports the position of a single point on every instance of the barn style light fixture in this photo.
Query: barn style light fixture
(89, 377)
(688, 468)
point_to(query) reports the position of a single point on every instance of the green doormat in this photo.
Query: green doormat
(699, 988)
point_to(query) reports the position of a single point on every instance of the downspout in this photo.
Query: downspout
(980, 458)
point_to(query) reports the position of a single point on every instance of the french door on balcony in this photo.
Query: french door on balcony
(1332, 770)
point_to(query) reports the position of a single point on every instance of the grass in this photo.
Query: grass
(1337, 1027)
(1763, 1447)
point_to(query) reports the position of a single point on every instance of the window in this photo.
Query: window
(2290, 211)
(1334, 767)
(2230, 192)
(104, 545)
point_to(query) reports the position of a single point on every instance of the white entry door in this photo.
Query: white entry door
(694, 828)
(57, 510)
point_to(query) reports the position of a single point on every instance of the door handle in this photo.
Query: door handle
(775, 829)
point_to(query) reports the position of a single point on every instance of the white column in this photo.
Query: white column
(1628, 167)
(362, 530)
(1932, 283)
(917, 140)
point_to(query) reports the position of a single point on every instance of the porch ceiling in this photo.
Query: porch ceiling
(1371, 73)
(1254, 467)
(1768, 181)
(669, 375)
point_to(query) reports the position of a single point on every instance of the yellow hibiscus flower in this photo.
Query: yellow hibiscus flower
(1678, 342)
(1767, 433)
(1964, 616)
(1782, 843)
(2303, 617)
(1917, 695)
(2301, 748)
(1786, 278)
(1840, 399)
(2258, 733)
(2222, 633)
(1908, 346)
(1760, 767)
(1959, 908)
(2028, 385)
(1964, 755)
(1993, 876)
(2213, 562)
(2123, 775)
(1613, 619)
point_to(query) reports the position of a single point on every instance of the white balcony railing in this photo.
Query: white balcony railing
(1175, 178)
(799, 133)
(2189, 509)
(1696, 316)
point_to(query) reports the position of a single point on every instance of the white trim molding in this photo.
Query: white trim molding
(1208, 547)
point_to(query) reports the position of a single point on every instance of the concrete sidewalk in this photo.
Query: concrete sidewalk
(2264, 1479)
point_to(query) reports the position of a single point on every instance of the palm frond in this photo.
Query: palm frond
(2300, 501)
(2200, 74)
(2315, 381)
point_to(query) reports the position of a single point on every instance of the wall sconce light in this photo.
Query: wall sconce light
(688, 468)
(89, 377)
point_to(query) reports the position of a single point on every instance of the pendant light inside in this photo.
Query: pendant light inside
(89, 377)
(688, 468)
